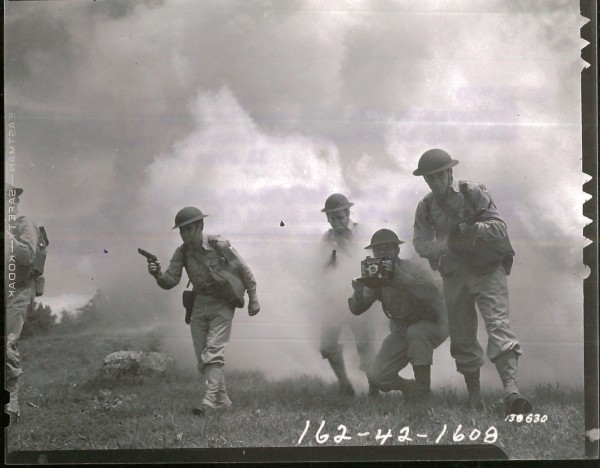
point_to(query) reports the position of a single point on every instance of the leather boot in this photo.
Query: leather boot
(474, 390)
(374, 393)
(213, 373)
(339, 369)
(223, 401)
(514, 402)
(422, 382)
(406, 386)
(12, 408)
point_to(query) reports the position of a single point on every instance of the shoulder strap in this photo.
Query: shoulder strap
(468, 194)
(428, 200)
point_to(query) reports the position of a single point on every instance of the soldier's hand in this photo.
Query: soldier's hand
(253, 308)
(468, 229)
(154, 269)
(388, 265)
(358, 287)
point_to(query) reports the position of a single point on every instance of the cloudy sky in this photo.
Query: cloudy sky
(255, 111)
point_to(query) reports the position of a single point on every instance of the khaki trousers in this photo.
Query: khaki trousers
(363, 332)
(462, 291)
(413, 345)
(211, 327)
(18, 307)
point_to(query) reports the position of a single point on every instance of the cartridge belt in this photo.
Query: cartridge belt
(203, 291)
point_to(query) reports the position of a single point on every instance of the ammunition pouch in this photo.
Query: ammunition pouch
(480, 253)
(228, 285)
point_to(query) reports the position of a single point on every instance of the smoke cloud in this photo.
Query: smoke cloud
(256, 111)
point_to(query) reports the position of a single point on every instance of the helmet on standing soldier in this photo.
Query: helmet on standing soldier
(188, 215)
(434, 160)
(336, 202)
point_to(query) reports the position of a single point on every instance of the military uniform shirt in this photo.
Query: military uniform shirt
(24, 242)
(405, 301)
(433, 224)
(197, 261)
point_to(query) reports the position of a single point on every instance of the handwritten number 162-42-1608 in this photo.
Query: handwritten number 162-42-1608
(460, 434)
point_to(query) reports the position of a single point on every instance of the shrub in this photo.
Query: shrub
(40, 321)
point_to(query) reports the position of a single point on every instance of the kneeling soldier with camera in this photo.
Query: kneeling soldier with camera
(220, 277)
(416, 310)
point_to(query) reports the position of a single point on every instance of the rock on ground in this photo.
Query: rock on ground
(121, 363)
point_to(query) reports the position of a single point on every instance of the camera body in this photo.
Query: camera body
(373, 275)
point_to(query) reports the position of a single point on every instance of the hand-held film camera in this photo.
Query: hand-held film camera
(373, 275)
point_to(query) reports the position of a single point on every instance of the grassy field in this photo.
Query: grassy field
(65, 405)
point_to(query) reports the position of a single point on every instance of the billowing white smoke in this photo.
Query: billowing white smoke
(264, 193)
(297, 102)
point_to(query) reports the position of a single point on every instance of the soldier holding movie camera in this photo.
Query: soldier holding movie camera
(458, 229)
(415, 307)
(220, 278)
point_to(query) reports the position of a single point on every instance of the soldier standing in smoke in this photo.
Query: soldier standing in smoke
(418, 322)
(211, 317)
(338, 248)
(458, 229)
(20, 290)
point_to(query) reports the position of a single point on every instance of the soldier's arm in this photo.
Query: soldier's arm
(362, 298)
(171, 277)
(424, 236)
(417, 282)
(25, 241)
(491, 226)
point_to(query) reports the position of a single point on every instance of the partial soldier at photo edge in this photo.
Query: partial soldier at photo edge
(25, 256)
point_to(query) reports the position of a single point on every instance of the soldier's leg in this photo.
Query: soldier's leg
(331, 350)
(423, 337)
(503, 346)
(199, 325)
(364, 338)
(462, 323)
(213, 356)
(391, 359)
(17, 309)
(223, 400)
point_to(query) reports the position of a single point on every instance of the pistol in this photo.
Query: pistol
(148, 255)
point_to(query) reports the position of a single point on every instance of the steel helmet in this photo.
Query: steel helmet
(384, 236)
(434, 160)
(336, 202)
(188, 215)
